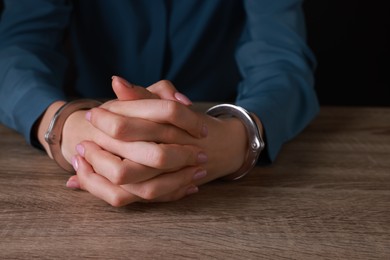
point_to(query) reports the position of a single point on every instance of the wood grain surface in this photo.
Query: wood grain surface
(326, 197)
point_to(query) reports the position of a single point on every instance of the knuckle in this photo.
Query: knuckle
(162, 86)
(171, 109)
(157, 157)
(116, 200)
(119, 174)
(118, 129)
(148, 193)
(165, 83)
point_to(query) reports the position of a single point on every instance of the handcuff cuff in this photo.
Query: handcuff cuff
(53, 135)
(255, 139)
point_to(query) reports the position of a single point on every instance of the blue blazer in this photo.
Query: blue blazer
(250, 52)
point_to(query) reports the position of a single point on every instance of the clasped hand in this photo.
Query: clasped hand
(149, 145)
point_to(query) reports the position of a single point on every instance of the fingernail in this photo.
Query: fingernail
(182, 99)
(80, 149)
(202, 157)
(113, 77)
(199, 175)
(88, 116)
(75, 163)
(72, 184)
(205, 131)
(192, 190)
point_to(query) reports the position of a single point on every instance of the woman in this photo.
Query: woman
(147, 144)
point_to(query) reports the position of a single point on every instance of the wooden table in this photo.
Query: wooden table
(326, 197)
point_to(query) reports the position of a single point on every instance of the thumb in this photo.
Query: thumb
(166, 90)
(163, 89)
(127, 91)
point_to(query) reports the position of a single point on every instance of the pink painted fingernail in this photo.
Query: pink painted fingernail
(80, 149)
(88, 116)
(72, 184)
(205, 131)
(199, 175)
(182, 99)
(202, 157)
(192, 190)
(75, 163)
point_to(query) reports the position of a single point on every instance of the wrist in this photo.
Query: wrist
(54, 134)
(76, 129)
(43, 124)
(225, 145)
(238, 141)
(255, 143)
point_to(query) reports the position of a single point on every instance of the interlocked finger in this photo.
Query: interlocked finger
(137, 129)
(101, 187)
(166, 183)
(161, 111)
(167, 157)
(119, 171)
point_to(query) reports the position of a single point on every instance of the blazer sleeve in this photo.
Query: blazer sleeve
(32, 66)
(277, 69)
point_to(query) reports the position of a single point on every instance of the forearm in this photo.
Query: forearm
(277, 68)
(31, 63)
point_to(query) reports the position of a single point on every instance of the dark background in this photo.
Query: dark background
(350, 39)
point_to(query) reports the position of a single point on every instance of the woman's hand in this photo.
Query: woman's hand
(156, 126)
(166, 187)
(226, 143)
(116, 180)
(224, 140)
(145, 152)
